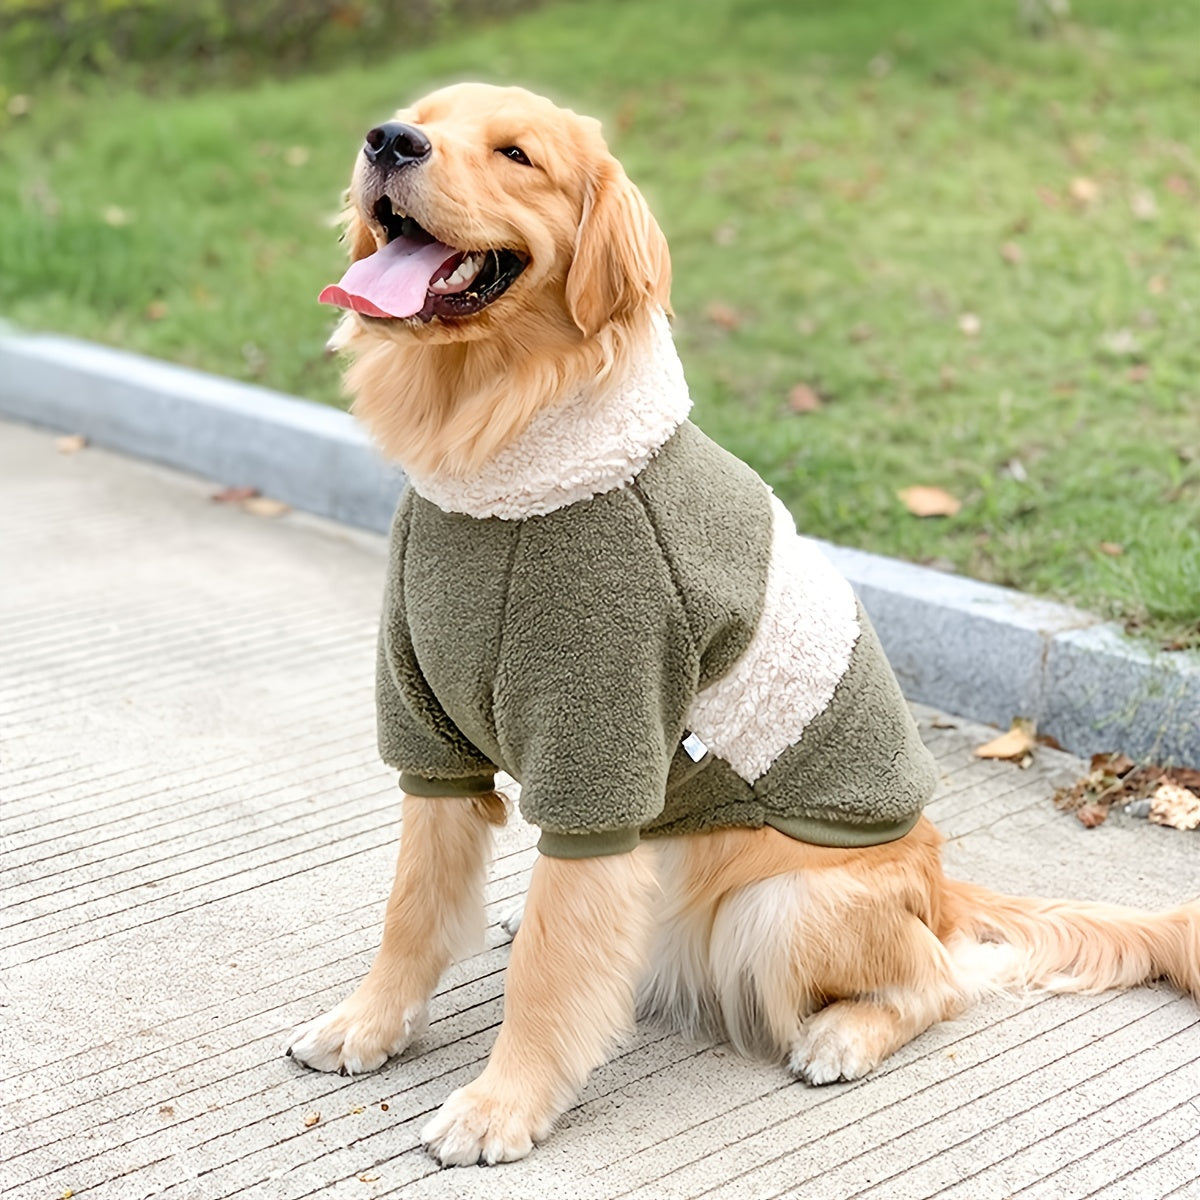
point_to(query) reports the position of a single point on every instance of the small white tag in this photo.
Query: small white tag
(694, 747)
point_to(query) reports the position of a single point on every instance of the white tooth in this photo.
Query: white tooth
(467, 269)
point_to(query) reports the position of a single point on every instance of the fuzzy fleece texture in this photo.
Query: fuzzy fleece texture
(586, 445)
(788, 674)
(577, 639)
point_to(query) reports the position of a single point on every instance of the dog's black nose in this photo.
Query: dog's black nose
(396, 145)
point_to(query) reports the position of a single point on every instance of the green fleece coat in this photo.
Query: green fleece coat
(655, 657)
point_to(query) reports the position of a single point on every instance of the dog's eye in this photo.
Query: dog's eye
(516, 154)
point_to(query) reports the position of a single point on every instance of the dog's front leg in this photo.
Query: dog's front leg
(434, 913)
(568, 998)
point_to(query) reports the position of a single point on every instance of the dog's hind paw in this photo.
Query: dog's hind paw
(511, 921)
(828, 1052)
(355, 1037)
(474, 1126)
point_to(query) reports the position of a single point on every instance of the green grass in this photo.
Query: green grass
(838, 183)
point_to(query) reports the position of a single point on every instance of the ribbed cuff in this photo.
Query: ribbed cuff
(587, 845)
(466, 785)
(844, 835)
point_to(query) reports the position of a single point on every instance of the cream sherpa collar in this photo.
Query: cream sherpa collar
(583, 447)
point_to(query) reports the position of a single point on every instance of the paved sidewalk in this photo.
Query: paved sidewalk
(198, 840)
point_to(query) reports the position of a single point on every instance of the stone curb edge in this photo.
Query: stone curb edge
(983, 652)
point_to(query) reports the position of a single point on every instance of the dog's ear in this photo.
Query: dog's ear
(621, 258)
(357, 235)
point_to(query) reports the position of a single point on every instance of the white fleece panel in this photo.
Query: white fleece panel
(585, 446)
(788, 674)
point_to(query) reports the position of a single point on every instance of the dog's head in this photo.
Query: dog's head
(478, 209)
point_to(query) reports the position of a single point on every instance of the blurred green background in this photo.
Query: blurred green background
(953, 244)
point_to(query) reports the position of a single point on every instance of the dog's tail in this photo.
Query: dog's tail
(1070, 946)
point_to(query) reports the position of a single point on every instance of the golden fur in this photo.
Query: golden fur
(829, 959)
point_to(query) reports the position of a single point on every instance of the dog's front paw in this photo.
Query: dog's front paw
(475, 1126)
(359, 1035)
(830, 1050)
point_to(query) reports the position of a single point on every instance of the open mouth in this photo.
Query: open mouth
(414, 276)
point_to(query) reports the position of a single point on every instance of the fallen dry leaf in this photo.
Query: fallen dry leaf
(1143, 205)
(264, 506)
(723, 315)
(1012, 253)
(803, 399)
(357, 1109)
(233, 495)
(1091, 815)
(364, 1178)
(71, 443)
(1112, 763)
(1084, 191)
(1176, 806)
(1014, 746)
(1112, 549)
(1114, 778)
(310, 1119)
(923, 501)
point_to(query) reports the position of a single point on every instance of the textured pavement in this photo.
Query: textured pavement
(198, 840)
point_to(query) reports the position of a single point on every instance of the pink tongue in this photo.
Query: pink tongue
(392, 282)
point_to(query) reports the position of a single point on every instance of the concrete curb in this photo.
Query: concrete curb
(313, 457)
(982, 652)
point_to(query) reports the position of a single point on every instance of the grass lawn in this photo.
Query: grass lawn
(980, 249)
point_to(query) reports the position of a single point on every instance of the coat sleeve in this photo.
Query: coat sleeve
(416, 736)
(597, 670)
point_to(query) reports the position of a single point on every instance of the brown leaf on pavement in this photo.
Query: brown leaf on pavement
(264, 506)
(1014, 746)
(1112, 763)
(924, 501)
(1167, 795)
(1091, 815)
(1176, 806)
(234, 495)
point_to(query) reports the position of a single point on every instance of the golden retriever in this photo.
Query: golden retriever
(502, 262)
